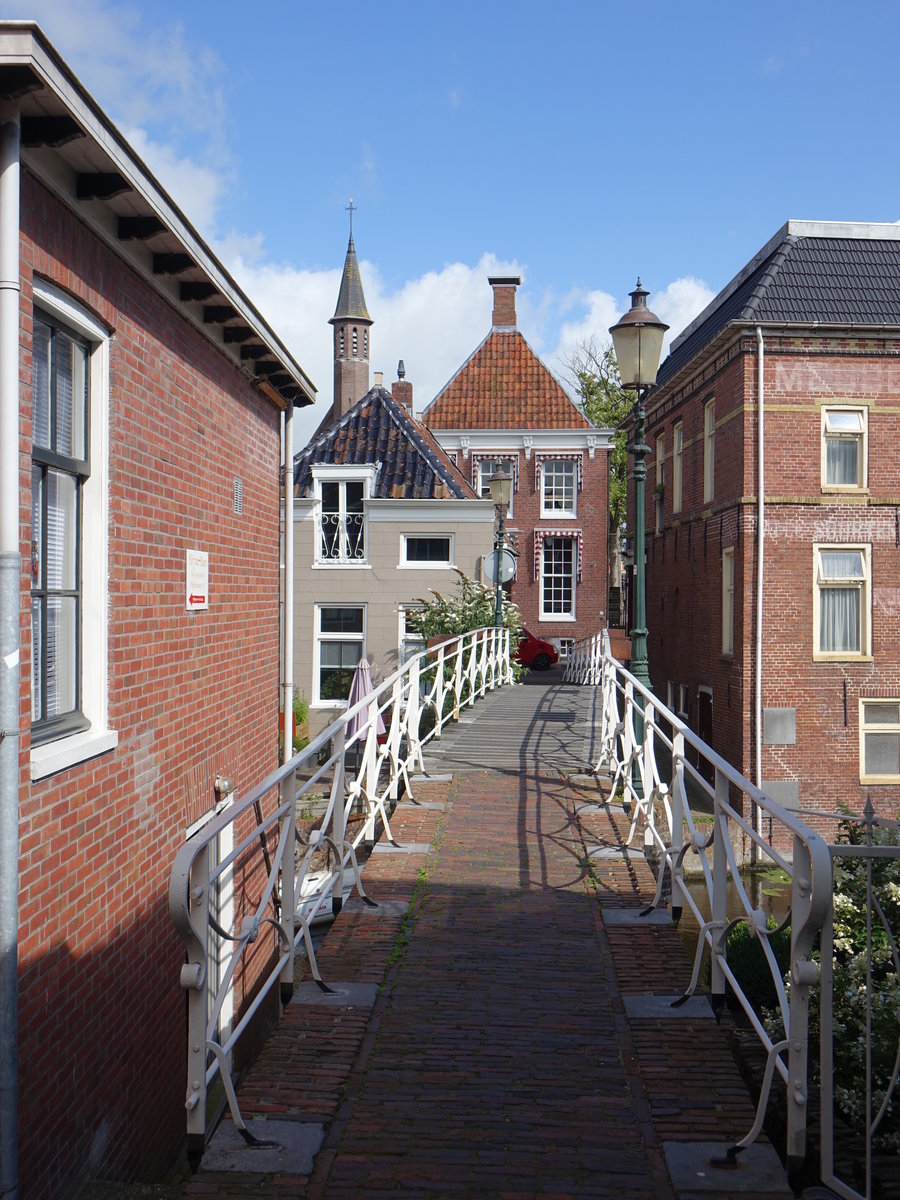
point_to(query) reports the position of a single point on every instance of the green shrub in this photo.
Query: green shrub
(748, 961)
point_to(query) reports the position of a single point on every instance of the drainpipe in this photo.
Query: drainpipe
(760, 543)
(10, 568)
(287, 632)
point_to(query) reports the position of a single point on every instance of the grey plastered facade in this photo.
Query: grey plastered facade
(383, 586)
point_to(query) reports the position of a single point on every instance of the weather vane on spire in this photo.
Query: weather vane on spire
(351, 208)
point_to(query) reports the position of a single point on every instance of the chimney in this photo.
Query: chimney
(379, 379)
(401, 390)
(504, 315)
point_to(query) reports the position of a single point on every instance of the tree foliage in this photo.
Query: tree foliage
(595, 374)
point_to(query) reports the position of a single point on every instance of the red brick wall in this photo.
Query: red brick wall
(102, 1016)
(684, 586)
(592, 519)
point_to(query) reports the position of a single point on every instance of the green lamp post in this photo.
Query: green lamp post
(637, 342)
(501, 489)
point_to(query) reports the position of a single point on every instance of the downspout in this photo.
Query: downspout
(10, 568)
(760, 558)
(287, 632)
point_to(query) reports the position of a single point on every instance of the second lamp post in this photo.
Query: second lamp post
(501, 489)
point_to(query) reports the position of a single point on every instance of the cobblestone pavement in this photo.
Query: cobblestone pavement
(521, 1042)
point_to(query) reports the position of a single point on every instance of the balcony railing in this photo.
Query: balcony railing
(240, 941)
(342, 538)
(688, 805)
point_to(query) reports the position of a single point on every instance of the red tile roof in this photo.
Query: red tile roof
(503, 385)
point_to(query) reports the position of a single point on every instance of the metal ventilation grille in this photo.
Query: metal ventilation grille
(238, 499)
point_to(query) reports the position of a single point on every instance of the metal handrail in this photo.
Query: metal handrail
(281, 896)
(654, 759)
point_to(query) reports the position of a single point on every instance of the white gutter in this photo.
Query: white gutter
(287, 632)
(760, 558)
(10, 568)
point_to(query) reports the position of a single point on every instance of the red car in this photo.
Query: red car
(535, 652)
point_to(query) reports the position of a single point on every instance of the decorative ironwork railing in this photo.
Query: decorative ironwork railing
(342, 538)
(685, 800)
(252, 862)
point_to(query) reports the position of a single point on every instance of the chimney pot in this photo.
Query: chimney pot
(379, 378)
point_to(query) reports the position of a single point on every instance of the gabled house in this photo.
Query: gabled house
(503, 409)
(142, 401)
(773, 501)
(381, 518)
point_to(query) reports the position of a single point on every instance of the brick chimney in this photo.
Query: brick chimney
(402, 391)
(504, 315)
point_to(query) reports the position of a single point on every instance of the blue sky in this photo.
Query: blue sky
(579, 144)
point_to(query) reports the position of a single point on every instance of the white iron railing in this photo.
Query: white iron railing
(251, 862)
(682, 799)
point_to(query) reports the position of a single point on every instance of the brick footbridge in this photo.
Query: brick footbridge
(501, 1024)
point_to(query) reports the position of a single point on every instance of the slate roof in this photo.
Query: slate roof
(378, 429)
(351, 303)
(503, 385)
(851, 277)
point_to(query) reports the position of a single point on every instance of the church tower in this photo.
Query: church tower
(351, 323)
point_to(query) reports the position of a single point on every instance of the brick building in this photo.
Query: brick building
(146, 421)
(504, 410)
(800, 354)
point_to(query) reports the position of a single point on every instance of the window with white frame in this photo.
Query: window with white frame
(340, 644)
(844, 448)
(728, 600)
(342, 521)
(558, 488)
(670, 695)
(842, 602)
(558, 565)
(684, 702)
(566, 648)
(879, 741)
(677, 457)
(426, 550)
(659, 490)
(69, 505)
(489, 466)
(709, 451)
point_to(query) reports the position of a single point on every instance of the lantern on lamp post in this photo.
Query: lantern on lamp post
(501, 489)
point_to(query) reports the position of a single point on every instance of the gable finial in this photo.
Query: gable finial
(351, 208)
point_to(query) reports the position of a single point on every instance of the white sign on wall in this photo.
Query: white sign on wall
(196, 579)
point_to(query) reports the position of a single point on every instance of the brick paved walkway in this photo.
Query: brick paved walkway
(514, 1048)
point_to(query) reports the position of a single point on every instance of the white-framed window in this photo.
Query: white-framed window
(684, 702)
(566, 648)
(842, 601)
(728, 600)
(558, 488)
(709, 451)
(670, 695)
(844, 448)
(659, 490)
(411, 642)
(426, 550)
(341, 525)
(559, 557)
(340, 635)
(486, 468)
(879, 741)
(677, 461)
(69, 547)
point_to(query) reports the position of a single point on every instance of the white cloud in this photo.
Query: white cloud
(195, 188)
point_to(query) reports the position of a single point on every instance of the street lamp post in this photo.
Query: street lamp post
(501, 489)
(637, 341)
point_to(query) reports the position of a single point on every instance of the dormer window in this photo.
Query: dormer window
(341, 536)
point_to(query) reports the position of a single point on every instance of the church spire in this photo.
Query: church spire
(351, 322)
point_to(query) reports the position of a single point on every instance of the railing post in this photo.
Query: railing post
(370, 753)
(676, 796)
(439, 694)
(194, 981)
(804, 973)
(339, 817)
(394, 739)
(720, 892)
(287, 883)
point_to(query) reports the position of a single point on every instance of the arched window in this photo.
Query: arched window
(341, 336)
(355, 342)
(365, 343)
